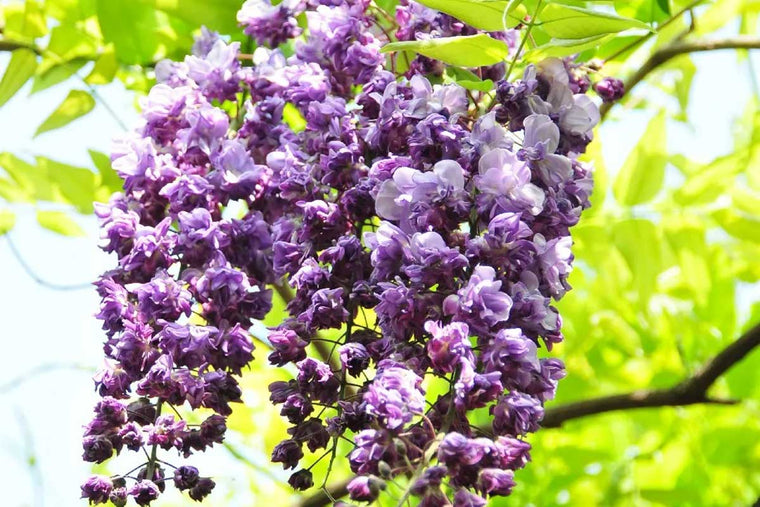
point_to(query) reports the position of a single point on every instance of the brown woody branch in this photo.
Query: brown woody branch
(682, 47)
(690, 391)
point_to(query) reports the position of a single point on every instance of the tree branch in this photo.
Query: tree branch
(321, 498)
(681, 47)
(690, 391)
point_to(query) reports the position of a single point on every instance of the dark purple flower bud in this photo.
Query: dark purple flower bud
(131, 435)
(185, 477)
(144, 492)
(610, 89)
(119, 496)
(354, 357)
(312, 432)
(202, 489)
(166, 432)
(326, 310)
(364, 489)
(296, 408)
(464, 498)
(517, 414)
(141, 411)
(97, 489)
(97, 449)
(221, 389)
(318, 379)
(431, 478)
(457, 449)
(287, 452)
(495, 482)
(112, 411)
(301, 480)
(279, 391)
(213, 429)
(448, 345)
(288, 347)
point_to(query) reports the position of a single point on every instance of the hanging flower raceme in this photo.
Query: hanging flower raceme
(414, 234)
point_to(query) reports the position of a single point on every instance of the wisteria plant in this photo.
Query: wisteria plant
(391, 177)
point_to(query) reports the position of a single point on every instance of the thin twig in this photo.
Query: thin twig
(33, 275)
(681, 47)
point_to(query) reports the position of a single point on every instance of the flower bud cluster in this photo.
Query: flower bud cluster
(417, 240)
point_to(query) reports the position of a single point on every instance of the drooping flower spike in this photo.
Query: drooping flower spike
(414, 235)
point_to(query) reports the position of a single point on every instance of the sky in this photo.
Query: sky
(50, 339)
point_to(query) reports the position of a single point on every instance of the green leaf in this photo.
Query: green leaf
(220, 15)
(639, 242)
(643, 172)
(469, 51)
(24, 21)
(76, 184)
(467, 79)
(109, 179)
(488, 15)
(34, 182)
(76, 104)
(20, 69)
(60, 222)
(707, 183)
(104, 69)
(56, 74)
(478, 86)
(740, 225)
(683, 85)
(118, 19)
(565, 47)
(67, 43)
(567, 22)
(12, 192)
(293, 117)
(7, 221)
(648, 11)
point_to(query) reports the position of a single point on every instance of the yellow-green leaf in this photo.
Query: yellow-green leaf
(737, 224)
(568, 22)
(56, 74)
(488, 15)
(7, 221)
(293, 117)
(470, 51)
(643, 172)
(76, 104)
(105, 68)
(20, 69)
(60, 222)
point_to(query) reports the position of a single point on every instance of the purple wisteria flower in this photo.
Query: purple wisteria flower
(414, 243)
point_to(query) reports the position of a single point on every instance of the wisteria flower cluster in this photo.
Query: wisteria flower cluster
(419, 234)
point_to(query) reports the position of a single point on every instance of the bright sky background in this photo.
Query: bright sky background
(43, 415)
